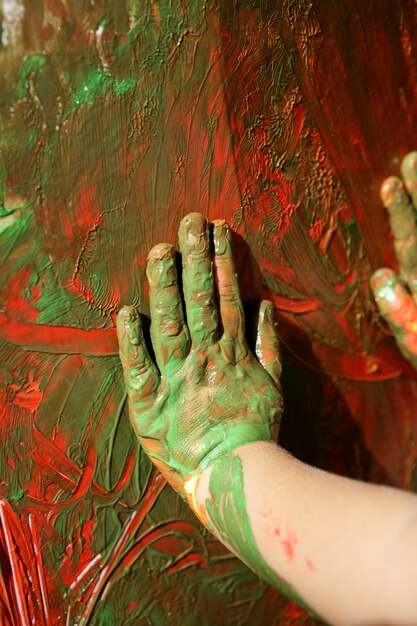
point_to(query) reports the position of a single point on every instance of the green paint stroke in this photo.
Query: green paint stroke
(227, 510)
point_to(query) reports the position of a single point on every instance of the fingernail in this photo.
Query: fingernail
(193, 233)
(266, 312)
(392, 193)
(128, 325)
(161, 268)
(385, 285)
(409, 169)
(222, 236)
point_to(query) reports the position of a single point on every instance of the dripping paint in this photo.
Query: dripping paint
(117, 119)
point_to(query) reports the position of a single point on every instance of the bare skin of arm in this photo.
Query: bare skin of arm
(205, 412)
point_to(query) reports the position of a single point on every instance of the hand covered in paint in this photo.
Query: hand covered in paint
(396, 295)
(207, 393)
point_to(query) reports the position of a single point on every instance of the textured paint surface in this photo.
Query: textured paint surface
(117, 119)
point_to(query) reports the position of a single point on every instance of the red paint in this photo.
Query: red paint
(288, 545)
(293, 612)
(132, 605)
(310, 564)
(194, 558)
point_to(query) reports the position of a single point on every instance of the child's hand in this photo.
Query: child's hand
(207, 393)
(397, 304)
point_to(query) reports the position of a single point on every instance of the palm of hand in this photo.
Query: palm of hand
(396, 294)
(210, 395)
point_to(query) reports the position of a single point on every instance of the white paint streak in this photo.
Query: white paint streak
(13, 14)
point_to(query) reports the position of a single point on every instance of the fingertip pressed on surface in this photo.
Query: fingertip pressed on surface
(267, 337)
(409, 167)
(230, 301)
(222, 237)
(268, 345)
(382, 278)
(266, 312)
(394, 302)
(161, 269)
(161, 251)
(126, 314)
(192, 217)
(168, 330)
(127, 334)
(398, 309)
(401, 216)
(387, 289)
(195, 218)
(193, 234)
(392, 190)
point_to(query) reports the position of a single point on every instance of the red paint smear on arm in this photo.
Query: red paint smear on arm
(310, 564)
(288, 545)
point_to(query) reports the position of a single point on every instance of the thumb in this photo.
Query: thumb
(268, 345)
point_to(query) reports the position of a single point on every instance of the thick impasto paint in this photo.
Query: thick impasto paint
(117, 119)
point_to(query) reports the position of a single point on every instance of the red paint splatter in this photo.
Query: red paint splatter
(131, 606)
(289, 544)
(310, 564)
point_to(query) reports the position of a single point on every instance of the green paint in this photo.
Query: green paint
(106, 617)
(96, 84)
(188, 420)
(208, 397)
(395, 303)
(403, 225)
(204, 401)
(30, 66)
(228, 512)
(123, 87)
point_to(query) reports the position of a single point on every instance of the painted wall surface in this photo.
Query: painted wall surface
(117, 118)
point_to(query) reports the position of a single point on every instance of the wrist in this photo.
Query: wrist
(197, 483)
(232, 437)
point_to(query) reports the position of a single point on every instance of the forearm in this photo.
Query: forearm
(308, 531)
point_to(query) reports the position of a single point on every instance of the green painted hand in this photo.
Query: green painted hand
(396, 295)
(207, 393)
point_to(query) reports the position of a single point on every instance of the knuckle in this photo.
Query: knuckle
(143, 379)
(170, 327)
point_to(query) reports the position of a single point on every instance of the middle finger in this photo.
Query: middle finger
(198, 285)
